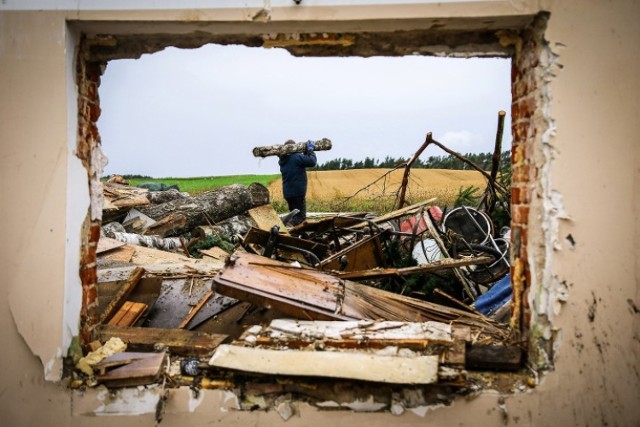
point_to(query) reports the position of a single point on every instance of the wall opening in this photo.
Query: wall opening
(522, 42)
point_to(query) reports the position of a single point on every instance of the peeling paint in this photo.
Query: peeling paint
(264, 14)
(368, 405)
(421, 411)
(53, 367)
(129, 401)
(98, 163)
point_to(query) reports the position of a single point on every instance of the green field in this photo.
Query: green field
(198, 185)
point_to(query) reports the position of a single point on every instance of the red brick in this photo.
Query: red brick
(94, 112)
(520, 214)
(88, 275)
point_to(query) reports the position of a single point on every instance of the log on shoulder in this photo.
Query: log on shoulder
(284, 149)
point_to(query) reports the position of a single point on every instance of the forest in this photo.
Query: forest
(483, 160)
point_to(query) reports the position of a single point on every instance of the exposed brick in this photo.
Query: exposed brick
(524, 107)
(88, 275)
(94, 233)
(520, 174)
(90, 294)
(94, 112)
(520, 214)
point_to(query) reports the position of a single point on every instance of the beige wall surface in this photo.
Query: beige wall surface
(586, 187)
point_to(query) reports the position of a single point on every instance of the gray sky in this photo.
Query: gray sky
(187, 113)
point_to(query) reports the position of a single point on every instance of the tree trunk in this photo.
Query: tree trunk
(300, 147)
(180, 216)
(239, 224)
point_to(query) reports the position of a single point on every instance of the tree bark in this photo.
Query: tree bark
(239, 224)
(281, 150)
(180, 216)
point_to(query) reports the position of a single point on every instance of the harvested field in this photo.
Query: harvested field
(328, 190)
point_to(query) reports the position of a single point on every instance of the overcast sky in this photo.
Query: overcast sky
(187, 113)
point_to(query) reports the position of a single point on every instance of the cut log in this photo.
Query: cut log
(168, 244)
(166, 196)
(206, 208)
(265, 217)
(171, 224)
(284, 149)
(239, 224)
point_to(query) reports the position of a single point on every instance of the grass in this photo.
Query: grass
(197, 185)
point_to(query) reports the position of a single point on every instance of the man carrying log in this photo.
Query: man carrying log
(294, 159)
(293, 168)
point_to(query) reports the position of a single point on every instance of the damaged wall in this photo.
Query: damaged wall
(578, 164)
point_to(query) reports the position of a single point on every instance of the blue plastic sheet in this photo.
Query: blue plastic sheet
(499, 294)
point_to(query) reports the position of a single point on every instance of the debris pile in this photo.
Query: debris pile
(212, 289)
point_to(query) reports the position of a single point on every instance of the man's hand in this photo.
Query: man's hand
(310, 146)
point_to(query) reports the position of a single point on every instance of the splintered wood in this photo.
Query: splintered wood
(178, 341)
(132, 369)
(315, 295)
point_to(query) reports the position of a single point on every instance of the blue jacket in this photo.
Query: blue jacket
(294, 175)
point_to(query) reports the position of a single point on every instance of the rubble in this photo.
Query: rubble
(194, 281)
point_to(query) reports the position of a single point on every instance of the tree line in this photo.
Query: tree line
(483, 160)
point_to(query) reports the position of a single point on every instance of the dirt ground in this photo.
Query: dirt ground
(423, 184)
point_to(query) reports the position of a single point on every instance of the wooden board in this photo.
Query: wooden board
(311, 294)
(128, 314)
(106, 244)
(215, 253)
(146, 292)
(266, 217)
(179, 341)
(365, 254)
(121, 296)
(121, 254)
(143, 369)
(333, 364)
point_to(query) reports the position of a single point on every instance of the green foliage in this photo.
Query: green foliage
(222, 241)
(483, 160)
(419, 284)
(467, 196)
(199, 185)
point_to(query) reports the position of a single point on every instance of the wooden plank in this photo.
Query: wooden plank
(315, 295)
(128, 314)
(195, 310)
(397, 213)
(215, 253)
(118, 359)
(106, 244)
(499, 357)
(141, 371)
(179, 341)
(119, 299)
(442, 264)
(121, 254)
(333, 364)
(265, 217)
(363, 255)
(146, 291)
